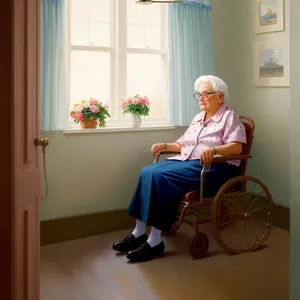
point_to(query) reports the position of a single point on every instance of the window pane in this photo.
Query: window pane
(146, 76)
(90, 76)
(144, 25)
(91, 23)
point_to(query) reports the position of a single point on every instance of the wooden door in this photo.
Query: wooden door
(19, 225)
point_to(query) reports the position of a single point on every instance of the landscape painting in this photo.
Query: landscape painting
(271, 63)
(269, 16)
(268, 13)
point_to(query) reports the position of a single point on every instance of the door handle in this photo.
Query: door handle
(44, 143)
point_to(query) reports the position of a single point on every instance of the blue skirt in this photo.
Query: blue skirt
(161, 187)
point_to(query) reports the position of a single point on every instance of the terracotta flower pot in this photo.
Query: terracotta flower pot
(89, 124)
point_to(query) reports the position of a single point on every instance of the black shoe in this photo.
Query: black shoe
(146, 252)
(130, 243)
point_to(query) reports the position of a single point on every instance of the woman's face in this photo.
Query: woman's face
(210, 100)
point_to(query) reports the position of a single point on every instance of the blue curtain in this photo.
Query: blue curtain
(191, 55)
(54, 80)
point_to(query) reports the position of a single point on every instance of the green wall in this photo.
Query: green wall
(294, 124)
(90, 173)
(97, 172)
(268, 106)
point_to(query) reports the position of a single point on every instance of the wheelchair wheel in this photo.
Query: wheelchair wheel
(242, 214)
(199, 245)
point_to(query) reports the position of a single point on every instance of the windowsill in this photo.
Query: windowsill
(117, 129)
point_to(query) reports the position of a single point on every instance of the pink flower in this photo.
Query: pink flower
(106, 106)
(73, 114)
(135, 101)
(79, 116)
(125, 103)
(142, 100)
(79, 108)
(148, 103)
(94, 109)
(93, 101)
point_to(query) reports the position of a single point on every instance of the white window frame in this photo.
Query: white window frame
(119, 51)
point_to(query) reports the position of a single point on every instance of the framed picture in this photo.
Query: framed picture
(269, 16)
(271, 64)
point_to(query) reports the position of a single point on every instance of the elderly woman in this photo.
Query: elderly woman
(161, 186)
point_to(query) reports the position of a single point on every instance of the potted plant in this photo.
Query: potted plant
(136, 107)
(90, 113)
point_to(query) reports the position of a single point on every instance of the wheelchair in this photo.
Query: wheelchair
(241, 213)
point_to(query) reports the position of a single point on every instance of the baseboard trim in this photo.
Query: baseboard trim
(70, 228)
(281, 217)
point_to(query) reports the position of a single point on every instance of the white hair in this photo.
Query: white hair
(217, 83)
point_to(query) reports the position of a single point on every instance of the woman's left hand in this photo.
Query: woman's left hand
(206, 157)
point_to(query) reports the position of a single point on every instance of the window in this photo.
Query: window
(118, 49)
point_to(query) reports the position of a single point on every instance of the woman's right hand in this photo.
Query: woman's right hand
(155, 148)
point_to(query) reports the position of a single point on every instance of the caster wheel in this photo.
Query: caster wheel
(199, 245)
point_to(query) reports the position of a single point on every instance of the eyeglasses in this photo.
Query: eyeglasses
(198, 96)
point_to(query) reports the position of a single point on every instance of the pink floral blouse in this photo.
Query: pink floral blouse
(223, 128)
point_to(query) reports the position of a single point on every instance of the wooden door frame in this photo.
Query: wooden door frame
(6, 124)
(15, 248)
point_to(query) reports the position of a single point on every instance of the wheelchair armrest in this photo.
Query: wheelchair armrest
(164, 152)
(169, 152)
(224, 158)
(216, 159)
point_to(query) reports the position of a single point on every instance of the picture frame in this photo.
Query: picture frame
(269, 16)
(271, 64)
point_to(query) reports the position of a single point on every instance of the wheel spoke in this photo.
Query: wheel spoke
(242, 231)
(260, 222)
(227, 223)
(230, 224)
(231, 215)
(253, 202)
(253, 232)
(259, 208)
(234, 208)
(249, 196)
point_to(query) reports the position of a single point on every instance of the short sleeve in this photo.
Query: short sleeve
(234, 130)
(180, 140)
